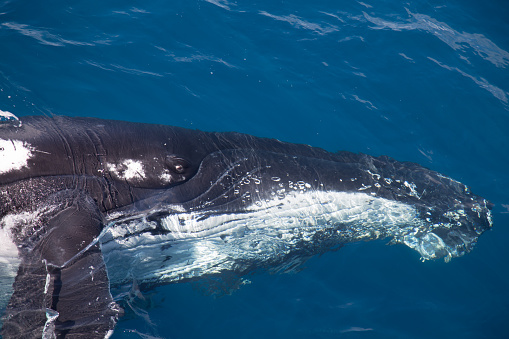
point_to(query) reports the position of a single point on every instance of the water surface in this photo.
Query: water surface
(422, 81)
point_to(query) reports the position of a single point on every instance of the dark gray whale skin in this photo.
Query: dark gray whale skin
(76, 173)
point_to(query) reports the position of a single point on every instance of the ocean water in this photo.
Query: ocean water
(421, 81)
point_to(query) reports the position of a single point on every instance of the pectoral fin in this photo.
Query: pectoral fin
(62, 287)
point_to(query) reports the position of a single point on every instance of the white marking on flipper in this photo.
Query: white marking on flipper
(49, 327)
(46, 286)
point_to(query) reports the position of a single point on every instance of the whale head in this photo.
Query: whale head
(255, 203)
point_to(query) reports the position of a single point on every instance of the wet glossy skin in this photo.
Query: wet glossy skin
(196, 203)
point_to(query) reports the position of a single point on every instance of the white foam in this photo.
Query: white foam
(9, 262)
(8, 250)
(14, 155)
(8, 115)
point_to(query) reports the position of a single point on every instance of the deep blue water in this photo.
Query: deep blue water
(422, 81)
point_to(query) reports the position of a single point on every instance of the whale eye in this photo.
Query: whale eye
(179, 168)
(176, 164)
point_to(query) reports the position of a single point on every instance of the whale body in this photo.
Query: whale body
(88, 205)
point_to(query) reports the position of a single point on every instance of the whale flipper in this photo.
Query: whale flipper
(62, 286)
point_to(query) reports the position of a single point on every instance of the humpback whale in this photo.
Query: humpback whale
(88, 205)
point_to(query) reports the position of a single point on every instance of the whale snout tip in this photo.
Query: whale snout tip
(450, 234)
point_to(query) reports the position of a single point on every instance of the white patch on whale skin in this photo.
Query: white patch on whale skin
(14, 155)
(128, 169)
(166, 177)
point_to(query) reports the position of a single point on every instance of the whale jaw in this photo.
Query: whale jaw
(172, 245)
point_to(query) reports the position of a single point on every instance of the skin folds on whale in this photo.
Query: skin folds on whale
(87, 205)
